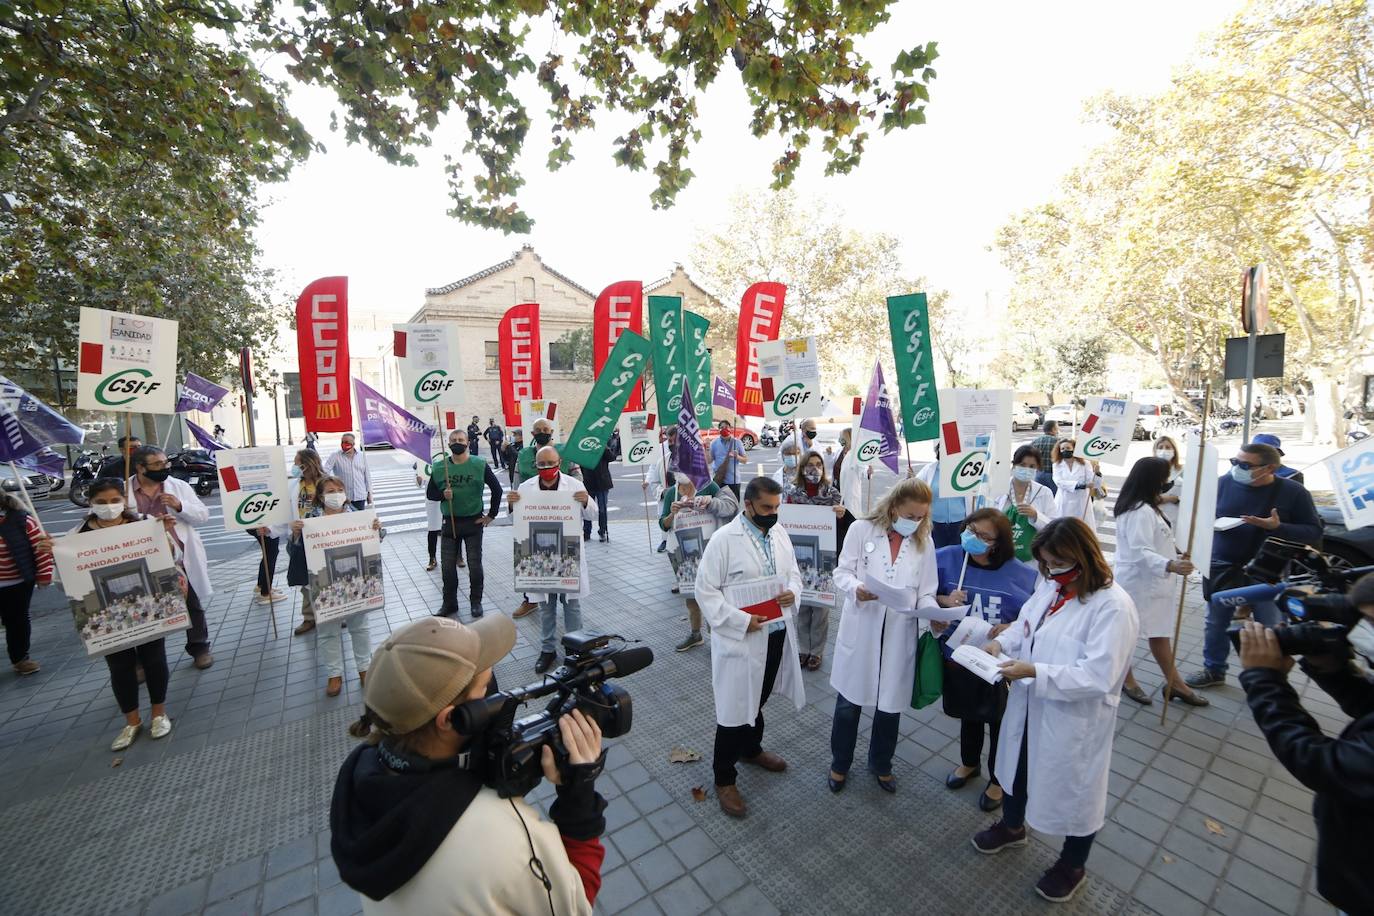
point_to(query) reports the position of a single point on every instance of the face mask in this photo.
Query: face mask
(789, 461)
(295, 471)
(973, 545)
(809, 433)
(1064, 574)
(543, 439)
(346, 446)
(1166, 453)
(548, 475)
(458, 448)
(335, 500)
(1361, 639)
(107, 512)
(158, 476)
(764, 522)
(1241, 474)
(812, 476)
(725, 434)
(906, 527)
(1023, 474)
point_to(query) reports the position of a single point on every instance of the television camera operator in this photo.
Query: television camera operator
(416, 830)
(1340, 770)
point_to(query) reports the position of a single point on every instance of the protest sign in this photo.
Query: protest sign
(760, 319)
(669, 353)
(812, 530)
(1107, 430)
(618, 309)
(1352, 479)
(530, 412)
(430, 363)
(972, 422)
(607, 399)
(322, 354)
(123, 585)
(383, 421)
(126, 363)
(199, 394)
(548, 542)
(723, 395)
(790, 378)
(252, 482)
(874, 434)
(692, 528)
(521, 362)
(343, 562)
(691, 453)
(637, 438)
(1198, 461)
(908, 319)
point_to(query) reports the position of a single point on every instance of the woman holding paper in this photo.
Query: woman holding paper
(875, 651)
(1146, 565)
(811, 488)
(331, 498)
(983, 574)
(1028, 504)
(1066, 658)
(1076, 480)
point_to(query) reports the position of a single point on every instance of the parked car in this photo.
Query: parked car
(35, 482)
(1348, 548)
(1023, 417)
(747, 437)
(1062, 414)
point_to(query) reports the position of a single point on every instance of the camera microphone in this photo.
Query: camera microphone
(626, 661)
(1248, 594)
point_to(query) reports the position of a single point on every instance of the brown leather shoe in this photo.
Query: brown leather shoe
(769, 761)
(731, 802)
(525, 609)
(203, 660)
(362, 678)
(305, 627)
(26, 666)
(333, 687)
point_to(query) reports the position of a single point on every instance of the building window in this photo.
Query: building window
(527, 289)
(560, 357)
(493, 356)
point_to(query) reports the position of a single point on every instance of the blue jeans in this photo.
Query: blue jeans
(1215, 644)
(844, 734)
(1046, 479)
(602, 500)
(1074, 852)
(548, 613)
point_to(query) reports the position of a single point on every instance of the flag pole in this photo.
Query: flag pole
(128, 434)
(962, 570)
(648, 526)
(1192, 530)
(267, 577)
(28, 500)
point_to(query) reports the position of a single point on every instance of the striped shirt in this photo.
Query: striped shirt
(351, 468)
(42, 562)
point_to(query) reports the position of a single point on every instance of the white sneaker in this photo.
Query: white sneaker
(162, 727)
(126, 737)
(276, 596)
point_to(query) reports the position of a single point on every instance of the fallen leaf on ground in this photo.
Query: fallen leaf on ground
(1169, 860)
(698, 793)
(116, 762)
(680, 754)
(1213, 827)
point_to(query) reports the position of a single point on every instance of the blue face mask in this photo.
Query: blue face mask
(295, 470)
(789, 461)
(1243, 475)
(973, 545)
(1023, 474)
(905, 527)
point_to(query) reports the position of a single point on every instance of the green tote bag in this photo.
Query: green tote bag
(930, 671)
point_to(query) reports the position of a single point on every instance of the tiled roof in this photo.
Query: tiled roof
(497, 268)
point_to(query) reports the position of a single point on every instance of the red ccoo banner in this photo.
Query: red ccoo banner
(522, 375)
(619, 308)
(322, 347)
(760, 319)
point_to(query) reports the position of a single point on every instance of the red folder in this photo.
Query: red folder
(769, 610)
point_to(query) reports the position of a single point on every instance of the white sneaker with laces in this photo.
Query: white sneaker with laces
(126, 737)
(162, 727)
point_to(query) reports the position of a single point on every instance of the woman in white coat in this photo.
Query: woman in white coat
(1076, 480)
(875, 651)
(1147, 565)
(1167, 449)
(1028, 505)
(1068, 653)
(749, 654)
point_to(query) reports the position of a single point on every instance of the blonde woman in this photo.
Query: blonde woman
(1076, 480)
(875, 651)
(1167, 449)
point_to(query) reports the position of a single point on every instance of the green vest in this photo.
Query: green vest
(524, 462)
(468, 483)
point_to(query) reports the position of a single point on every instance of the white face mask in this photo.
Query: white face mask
(107, 512)
(906, 527)
(1166, 453)
(335, 500)
(1361, 639)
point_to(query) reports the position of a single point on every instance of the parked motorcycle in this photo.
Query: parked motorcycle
(84, 468)
(197, 467)
(768, 436)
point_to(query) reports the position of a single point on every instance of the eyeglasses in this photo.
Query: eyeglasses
(985, 538)
(545, 467)
(1240, 463)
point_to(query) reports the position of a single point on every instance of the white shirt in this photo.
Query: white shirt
(351, 468)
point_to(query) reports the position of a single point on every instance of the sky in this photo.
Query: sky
(1004, 123)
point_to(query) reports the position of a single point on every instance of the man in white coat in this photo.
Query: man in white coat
(749, 652)
(157, 494)
(549, 477)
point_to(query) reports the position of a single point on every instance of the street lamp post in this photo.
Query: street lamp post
(276, 406)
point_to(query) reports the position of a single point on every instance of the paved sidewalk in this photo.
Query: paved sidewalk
(229, 814)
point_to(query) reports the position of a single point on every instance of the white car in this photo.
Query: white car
(1062, 414)
(1022, 417)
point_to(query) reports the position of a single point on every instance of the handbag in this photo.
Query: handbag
(1022, 533)
(930, 671)
(969, 697)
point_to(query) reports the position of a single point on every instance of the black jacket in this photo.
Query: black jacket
(1339, 770)
(598, 479)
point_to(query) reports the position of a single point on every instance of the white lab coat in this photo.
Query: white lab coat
(1144, 547)
(737, 656)
(1071, 502)
(1170, 510)
(193, 512)
(1080, 655)
(875, 651)
(1041, 500)
(567, 484)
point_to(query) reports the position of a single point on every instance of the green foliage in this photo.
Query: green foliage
(1079, 366)
(580, 340)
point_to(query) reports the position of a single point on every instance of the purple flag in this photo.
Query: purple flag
(384, 421)
(198, 394)
(723, 394)
(27, 424)
(877, 418)
(691, 455)
(205, 439)
(44, 461)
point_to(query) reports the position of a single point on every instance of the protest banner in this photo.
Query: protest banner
(522, 370)
(126, 362)
(1199, 459)
(322, 351)
(908, 320)
(691, 453)
(606, 401)
(760, 319)
(692, 528)
(698, 361)
(123, 585)
(252, 482)
(638, 438)
(972, 421)
(199, 394)
(1352, 479)
(668, 352)
(343, 562)
(618, 309)
(1107, 430)
(532, 411)
(44, 461)
(430, 362)
(812, 530)
(548, 542)
(27, 427)
(790, 378)
(874, 435)
(384, 421)
(723, 395)
(204, 439)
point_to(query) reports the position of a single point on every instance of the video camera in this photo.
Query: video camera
(511, 747)
(1309, 591)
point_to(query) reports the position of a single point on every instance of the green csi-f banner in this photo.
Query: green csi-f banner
(694, 329)
(669, 352)
(909, 320)
(608, 398)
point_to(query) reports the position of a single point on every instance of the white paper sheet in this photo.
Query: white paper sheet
(945, 614)
(1226, 523)
(899, 599)
(754, 591)
(979, 662)
(972, 631)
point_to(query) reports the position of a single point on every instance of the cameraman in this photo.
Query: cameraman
(1339, 770)
(415, 830)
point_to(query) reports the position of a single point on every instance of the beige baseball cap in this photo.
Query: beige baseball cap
(425, 665)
